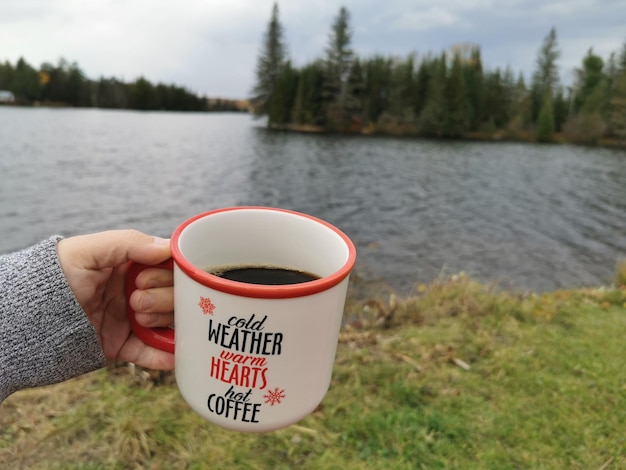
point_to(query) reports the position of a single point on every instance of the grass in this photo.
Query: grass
(458, 375)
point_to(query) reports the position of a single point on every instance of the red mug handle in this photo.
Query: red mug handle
(160, 338)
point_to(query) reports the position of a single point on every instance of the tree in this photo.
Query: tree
(270, 63)
(377, 76)
(111, 93)
(433, 116)
(617, 107)
(545, 120)
(281, 106)
(546, 75)
(519, 110)
(474, 90)
(142, 95)
(456, 108)
(25, 84)
(339, 57)
(589, 78)
(355, 92)
(495, 109)
(422, 84)
(308, 102)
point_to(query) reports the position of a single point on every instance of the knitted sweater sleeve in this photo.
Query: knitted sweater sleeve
(45, 337)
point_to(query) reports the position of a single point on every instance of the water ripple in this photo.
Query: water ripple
(537, 217)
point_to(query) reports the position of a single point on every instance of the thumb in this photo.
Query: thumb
(114, 248)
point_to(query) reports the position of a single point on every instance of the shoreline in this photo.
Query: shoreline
(496, 136)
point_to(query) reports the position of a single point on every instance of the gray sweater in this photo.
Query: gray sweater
(45, 337)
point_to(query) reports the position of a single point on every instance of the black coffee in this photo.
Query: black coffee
(267, 275)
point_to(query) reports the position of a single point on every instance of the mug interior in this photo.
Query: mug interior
(258, 236)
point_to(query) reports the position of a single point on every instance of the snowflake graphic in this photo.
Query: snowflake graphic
(206, 305)
(274, 396)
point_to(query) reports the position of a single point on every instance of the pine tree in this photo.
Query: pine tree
(456, 109)
(281, 106)
(545, 120)
(474, 90)
(270, 64)
(25, 84)
(588, 78)
(339, 57)
(308, 102)
(617, 107)
(546, 76)
(355, 92)
(432, 118)
(422, 84)
(377, 72)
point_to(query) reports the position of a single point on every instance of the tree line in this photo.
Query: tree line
(65, 84)
(447, 95)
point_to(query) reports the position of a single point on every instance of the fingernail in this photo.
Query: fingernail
(161, 241)
(146, 302)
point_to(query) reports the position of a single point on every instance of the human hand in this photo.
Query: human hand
(95, 267)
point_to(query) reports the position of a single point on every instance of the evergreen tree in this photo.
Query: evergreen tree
(281, 106)
(111, 93)
(308, 100)
(546, 75)
(617, 107)
(25, 82)
(456, 109)
(76, 92)
(355, 93)
(561, 109)
(432, 120)
(402, 91)
(588, 78)
(339, 57)
(422, 84)
(545, 121)
(474, 89)
(270, 64)
(617, 98)
(377, 75)
(6, 75)
(142, 95)
(519, 108)
(496, 115)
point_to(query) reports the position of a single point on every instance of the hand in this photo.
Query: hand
(95, 267)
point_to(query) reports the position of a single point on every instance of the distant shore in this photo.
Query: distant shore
(496, 136)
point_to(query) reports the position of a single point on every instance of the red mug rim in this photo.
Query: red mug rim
(256, 290)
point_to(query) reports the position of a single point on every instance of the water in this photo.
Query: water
(530, 216)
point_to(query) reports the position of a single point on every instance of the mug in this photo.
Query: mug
(253, 357)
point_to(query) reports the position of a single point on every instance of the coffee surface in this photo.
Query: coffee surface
(264, 275)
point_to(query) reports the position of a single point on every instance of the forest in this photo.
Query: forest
(65, 84)
(446, 95)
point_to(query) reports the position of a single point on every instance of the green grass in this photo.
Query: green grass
(459, 375)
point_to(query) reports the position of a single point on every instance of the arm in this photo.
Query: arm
(45, 336)
(63, 307)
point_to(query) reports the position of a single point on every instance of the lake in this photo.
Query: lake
(537, 217)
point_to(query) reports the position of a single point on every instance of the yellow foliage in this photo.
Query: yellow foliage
(44, 77)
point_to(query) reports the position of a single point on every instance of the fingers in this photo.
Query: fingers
(153, 301)
(153, 307)
(113, 248)
(153, 277)
(135, 351)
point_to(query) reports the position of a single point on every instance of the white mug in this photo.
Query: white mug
(254, 357)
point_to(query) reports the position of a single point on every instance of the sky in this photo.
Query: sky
(211, 46)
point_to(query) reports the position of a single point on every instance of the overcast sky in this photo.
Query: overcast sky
(211, 46)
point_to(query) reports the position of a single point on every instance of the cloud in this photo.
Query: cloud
(211, 46)
(426, 20)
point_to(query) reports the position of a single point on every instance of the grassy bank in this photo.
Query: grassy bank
(459, 375)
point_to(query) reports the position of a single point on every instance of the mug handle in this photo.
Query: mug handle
(161, 338)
